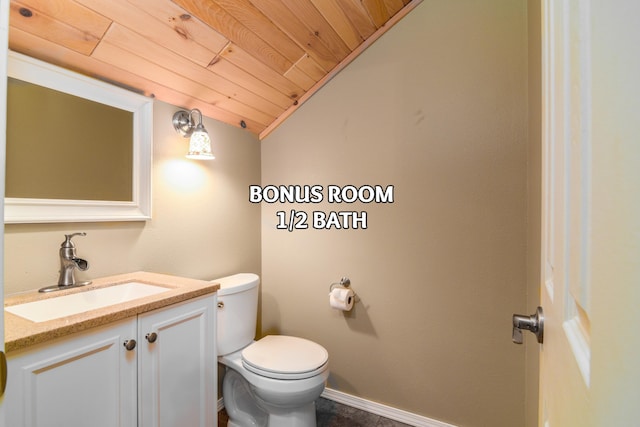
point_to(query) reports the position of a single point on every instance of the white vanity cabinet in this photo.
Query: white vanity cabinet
(177, 366)
(87, 379)
(92, 379)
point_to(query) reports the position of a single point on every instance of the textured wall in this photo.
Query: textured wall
(438, 109)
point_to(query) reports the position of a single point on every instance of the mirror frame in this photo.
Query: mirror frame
(19, 210)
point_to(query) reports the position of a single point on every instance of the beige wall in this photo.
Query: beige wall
(437, 108)
(202, 226)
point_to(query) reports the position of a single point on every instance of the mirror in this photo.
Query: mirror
(78, 149)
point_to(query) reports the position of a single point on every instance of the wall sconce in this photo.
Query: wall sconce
(199, 143)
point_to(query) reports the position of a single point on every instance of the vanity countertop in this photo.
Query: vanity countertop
(21, 333)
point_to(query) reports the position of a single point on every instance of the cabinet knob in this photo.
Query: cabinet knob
(151, 337)
(130, 344)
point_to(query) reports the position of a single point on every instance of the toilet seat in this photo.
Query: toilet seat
(285, 357)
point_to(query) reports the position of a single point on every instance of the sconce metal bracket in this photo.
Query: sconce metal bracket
(182, 123)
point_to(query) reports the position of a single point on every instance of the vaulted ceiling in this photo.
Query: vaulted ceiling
(249, 63)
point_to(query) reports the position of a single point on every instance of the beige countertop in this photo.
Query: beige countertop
(21, 333)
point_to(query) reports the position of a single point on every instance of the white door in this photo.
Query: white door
(590, 291)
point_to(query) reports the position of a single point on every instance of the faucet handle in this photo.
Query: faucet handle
(67, 239)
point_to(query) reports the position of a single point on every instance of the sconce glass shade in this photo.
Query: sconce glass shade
(200, 145)
(199, 142)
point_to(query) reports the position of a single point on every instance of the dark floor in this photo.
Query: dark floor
(332, 414)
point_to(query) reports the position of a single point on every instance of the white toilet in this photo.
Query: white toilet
(270, 382)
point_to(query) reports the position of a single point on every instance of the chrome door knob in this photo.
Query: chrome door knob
(533, 323)
(152, 337)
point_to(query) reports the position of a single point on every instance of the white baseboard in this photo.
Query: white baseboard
(382, 410)
(375, 408)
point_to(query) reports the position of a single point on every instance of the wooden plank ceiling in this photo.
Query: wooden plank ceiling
(248, 63)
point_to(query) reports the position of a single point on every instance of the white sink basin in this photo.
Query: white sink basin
(80, 302)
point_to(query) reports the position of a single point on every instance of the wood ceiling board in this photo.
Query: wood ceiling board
(359, 17)
(45, 26)
(124, 59)
(340, 22)
(143, 48)
(231, 72)
(218, 18)
(256, 21)
(282, 16)
(300, 78)
(319, 27)
(187, 26)
(159, 32)
(311, 68)
(377, 11)
(242, 59)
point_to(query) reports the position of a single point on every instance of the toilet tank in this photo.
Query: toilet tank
(237, 311)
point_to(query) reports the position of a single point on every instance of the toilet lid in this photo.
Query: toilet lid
(284, 357)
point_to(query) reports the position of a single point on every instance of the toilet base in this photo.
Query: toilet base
(240, 404)
(246, 409)
(303, 416)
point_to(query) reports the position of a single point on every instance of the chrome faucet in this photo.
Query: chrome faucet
(69, 261)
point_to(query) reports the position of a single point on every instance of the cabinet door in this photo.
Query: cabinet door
(178, 370)
(87, 379)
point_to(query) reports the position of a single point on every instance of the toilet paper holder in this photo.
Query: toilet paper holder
(341, 296)
(345, 282)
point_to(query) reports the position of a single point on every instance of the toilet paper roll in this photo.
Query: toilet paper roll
(341, 299)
